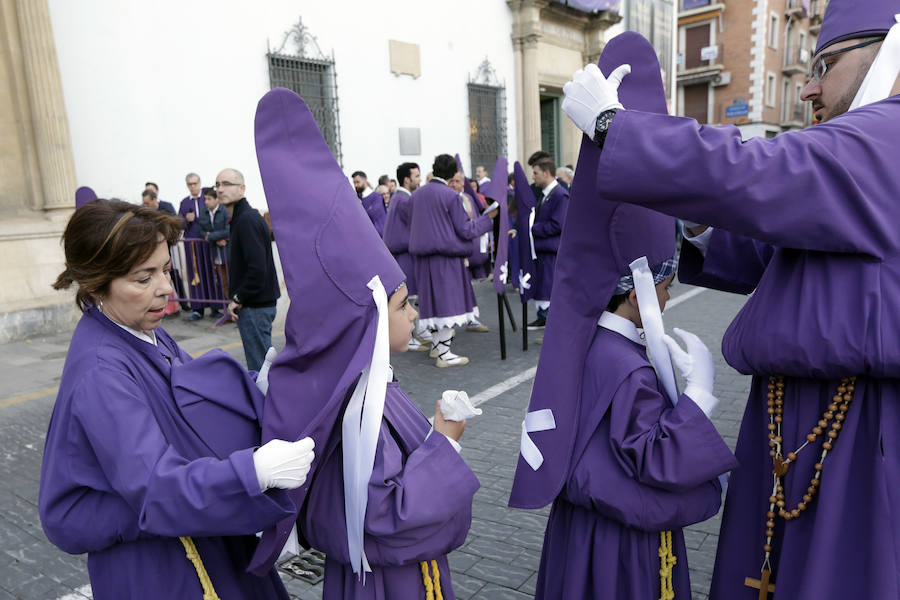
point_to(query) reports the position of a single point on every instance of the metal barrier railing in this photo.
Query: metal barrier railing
(200, 274)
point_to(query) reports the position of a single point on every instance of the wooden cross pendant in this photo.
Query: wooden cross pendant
(780, 466)
(765, 588)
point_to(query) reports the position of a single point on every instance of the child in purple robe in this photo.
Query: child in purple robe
(419, 496)
(625, 459)
(388, 496)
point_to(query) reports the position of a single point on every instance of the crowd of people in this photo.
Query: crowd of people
(164, 468)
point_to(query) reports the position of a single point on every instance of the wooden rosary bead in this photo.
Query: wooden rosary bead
(769, 533)
(767, 548)
(836, 426)
(827, 445)
(841, 417)
(817, 430)
(792, 456)
(815, 483)
(823, 423)
(829, 415)
(817, 466)
(780, 504)
(811, 490)
(807, 497)
(795, 513)
(778, 439)
(832, 434)
(770, 514)
(770, 411)
(770, 524)
(778, 419)
(772, 499)
(842, 389)
(847, 397)
(771, 426)
(833, 406)
(801, 505)
(772, 453)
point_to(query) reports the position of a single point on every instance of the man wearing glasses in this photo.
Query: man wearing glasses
(253, 281)
(809, 222)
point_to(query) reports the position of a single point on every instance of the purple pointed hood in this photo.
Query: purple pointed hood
(525, 205)
(329, 252)
(83, 195)
(599, 241)
(496, 190)
(846, 19)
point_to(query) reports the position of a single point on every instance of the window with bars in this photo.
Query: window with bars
(487, 124)
(314, 80)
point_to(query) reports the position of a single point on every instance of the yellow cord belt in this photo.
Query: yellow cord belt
(209, 593)
(432, 589)
(666, 562)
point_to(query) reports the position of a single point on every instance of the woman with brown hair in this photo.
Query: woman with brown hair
(150, 464)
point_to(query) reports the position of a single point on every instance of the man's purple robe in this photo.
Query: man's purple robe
(396, 235)
(640, 466)
(550, 215)
(419, 508)
(197, 255)
(824, 307)
(145, 445)
(440, 237)
(374, 207)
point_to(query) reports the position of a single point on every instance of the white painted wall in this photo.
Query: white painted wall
(154, 90)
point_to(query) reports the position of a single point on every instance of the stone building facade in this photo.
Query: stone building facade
(745, 62)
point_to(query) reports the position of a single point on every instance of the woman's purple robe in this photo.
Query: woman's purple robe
(825, 306)
(140, 451)
(419, 508)
(640, 466)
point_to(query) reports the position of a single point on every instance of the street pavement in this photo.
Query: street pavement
(500, 557)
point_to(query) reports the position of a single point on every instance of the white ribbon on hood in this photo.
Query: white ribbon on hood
(359, 431)
(884, 70)
(654, 330)
(538, 420)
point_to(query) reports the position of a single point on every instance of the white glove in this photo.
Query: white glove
(283, 465)
(456, 406)
(697, 367)
(262, 378)
(590, 93)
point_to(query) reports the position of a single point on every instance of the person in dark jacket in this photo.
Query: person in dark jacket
(254, 282)
(214, 229)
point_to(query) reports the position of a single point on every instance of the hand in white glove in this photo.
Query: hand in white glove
(590, 93)
(262, 378)
(456, 406)
(283, 465)
(697, 367)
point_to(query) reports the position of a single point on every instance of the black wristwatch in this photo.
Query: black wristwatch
(602, 125)
(236, 299)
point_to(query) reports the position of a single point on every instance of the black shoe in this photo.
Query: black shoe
(537, 323)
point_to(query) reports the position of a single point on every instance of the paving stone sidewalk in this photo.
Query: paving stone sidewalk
(502, 551)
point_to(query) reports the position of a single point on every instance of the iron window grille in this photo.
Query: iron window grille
(487, 117)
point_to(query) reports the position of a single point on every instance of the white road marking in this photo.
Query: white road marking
(79, 594)
(684, 297)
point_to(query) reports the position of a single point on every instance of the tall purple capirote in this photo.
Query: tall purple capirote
(846, 19)
(329, 252)
(599, 240)
(495, 190)
(525, 205)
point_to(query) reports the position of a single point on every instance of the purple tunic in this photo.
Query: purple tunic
(143, 447)
(824, 308)
(440, 238)
(641, 467)
(547, 230)
(196, 252)
(396, 235)
(420, 508)
(374, 206)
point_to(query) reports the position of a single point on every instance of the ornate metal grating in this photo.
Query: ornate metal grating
(312, 75)
(487, 117)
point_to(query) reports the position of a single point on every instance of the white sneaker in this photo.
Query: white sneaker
(448, 359)
(425, 336)
(477, 326)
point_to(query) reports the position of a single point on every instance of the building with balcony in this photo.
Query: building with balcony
(745, 62)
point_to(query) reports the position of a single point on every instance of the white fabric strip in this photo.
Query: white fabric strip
(651, 319)
(884, 70)
(539, 420)
(530, 235)
(360, 428)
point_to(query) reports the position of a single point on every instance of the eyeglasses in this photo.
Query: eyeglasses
(221, 184)
(819, 68)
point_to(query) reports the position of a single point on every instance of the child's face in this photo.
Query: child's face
(662, 291)
(401, 320)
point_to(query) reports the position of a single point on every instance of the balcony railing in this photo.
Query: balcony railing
(796, 8)
(796, 60)
(794, 115)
